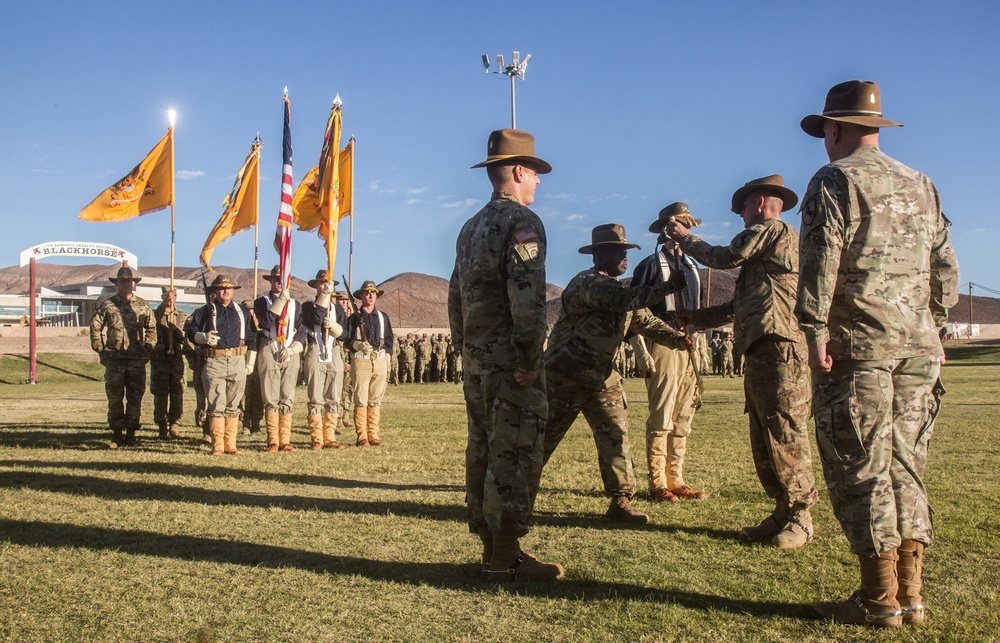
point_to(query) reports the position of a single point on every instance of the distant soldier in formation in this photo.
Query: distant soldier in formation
(726, 354)
(878, 275)
(424, 353)
(452, 358)
(597, 312)
(225, 331)
(409, 355)
(166, 369)
(705, 352)
(123, 333)
(716, 346)
(496, 308)
(279, 349)
(371, 339)
(323, 364)
(441, 358)
(394, 364)
(777, 388)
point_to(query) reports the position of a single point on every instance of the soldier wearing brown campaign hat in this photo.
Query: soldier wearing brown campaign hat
(221, 282)
(369, 335)
(673, 384)
(598, 311)
(322, 277)
(777, 384)
(323, 363)
(902, 247)
(125, 274)
(367, 287)
(497, 306)
(855, 101)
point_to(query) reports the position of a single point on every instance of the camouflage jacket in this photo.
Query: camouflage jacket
(598, 311)
(123, 328)
(171, 343)
(764, 299)
(878, 270)
(424, 351)
(496, 296)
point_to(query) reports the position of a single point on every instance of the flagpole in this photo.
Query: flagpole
(173, 118)
(354, 209)
(256, 225)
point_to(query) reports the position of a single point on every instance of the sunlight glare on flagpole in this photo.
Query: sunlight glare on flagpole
(172, 115)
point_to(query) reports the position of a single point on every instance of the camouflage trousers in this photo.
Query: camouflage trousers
(503, 458)
(201, 405)
(605, 411)
(874, 421)
(251, 409)
(778, 392)
(166, 383)
(124, 384)
(324, 381)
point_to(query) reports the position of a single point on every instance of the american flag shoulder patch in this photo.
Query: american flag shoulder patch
(525, 235)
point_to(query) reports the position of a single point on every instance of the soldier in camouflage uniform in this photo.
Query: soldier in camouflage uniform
(726, 355)
(777, 386)
(166, 369)
(598, 311)
(496, 309)
(409, 358)
(424, 353)
(123, 333)
(441, 359)
(874, 240)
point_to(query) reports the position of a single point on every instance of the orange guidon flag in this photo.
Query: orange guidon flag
(241, 205)
(147, 188)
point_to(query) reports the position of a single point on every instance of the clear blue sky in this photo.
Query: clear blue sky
(635, 104)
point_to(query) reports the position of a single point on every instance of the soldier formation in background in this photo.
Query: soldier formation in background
(815, 301)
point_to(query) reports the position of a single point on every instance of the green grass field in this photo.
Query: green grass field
(163, 543)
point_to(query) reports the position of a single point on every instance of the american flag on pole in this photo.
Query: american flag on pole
(283, 235)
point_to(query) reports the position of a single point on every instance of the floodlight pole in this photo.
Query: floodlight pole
(514, 70)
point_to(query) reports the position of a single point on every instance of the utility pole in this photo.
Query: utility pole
(970, 310)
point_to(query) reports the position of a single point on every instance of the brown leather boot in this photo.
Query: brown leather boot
(770, 526)
(330, 423)
(361, 425)
(174, 431)
(285, 433)
(797, 531)
(621, 510)
(232, 427)
(316, 431)
(909, 570)
(271, 422)
(486, 537)
(374, 415)
(510, 564)
(117, 439)
(218, 428)
(875, 604)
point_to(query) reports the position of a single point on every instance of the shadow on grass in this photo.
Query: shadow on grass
(225, 472)
(57, 368)
(451, 576)
(50, 436)
(598, 522)
(138, 490)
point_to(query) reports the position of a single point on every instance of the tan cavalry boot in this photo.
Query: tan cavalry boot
(374, 414)
(232, 427)
(621, 510)
(361, 425)
(285, 433)
(330, 423)
(909, 570)
(218, 428)
(656, 462)
(676, 450)
(509, 563)
(316, 431)
(770, 526)
(271, 421)
(875, 604)
(797, 531)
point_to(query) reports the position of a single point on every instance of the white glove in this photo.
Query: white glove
(296, 348)
(323, 301)
(280, 301)
(363, 347)
(211, 338)
(286, 354)
(335, 329)
(251, 361)
(642, 355)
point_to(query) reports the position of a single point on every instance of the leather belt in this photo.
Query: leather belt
(225, 352)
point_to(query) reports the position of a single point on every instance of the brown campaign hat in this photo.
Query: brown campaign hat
(274, 275)
(124, 274)
(677, 211)
(508, 146)
(773, 183)
(322, 277)
(223, 281)
(856, 101)
(368, 286)
(609, 234)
